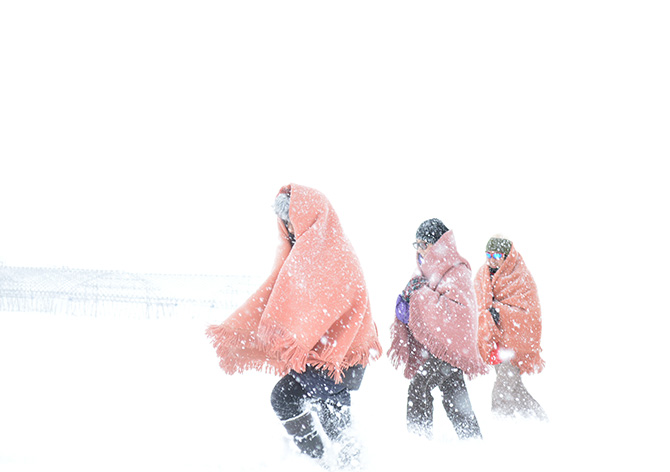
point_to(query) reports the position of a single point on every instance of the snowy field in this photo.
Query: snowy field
(151, 137)
(120, 393)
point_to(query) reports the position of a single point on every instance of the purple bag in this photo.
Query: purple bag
(402, 309)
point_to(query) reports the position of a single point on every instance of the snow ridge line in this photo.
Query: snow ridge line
(96, 292)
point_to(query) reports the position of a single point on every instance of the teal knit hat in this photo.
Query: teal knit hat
(501, 245)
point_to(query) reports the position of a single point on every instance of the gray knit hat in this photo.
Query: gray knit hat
(281, 206)
(501, 245)
(431, 231)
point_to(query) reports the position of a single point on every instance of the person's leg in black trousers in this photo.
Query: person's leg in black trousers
(420, 400)
(456, 402)
(455, 399)
(289, 401)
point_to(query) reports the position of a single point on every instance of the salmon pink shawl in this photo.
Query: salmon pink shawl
(313, 308)
(443, 316)
(511, 290)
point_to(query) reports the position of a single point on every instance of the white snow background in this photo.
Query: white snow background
(153, 136)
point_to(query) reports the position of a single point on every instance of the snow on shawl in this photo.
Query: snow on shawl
(513, 291)
(313, 308)
(443, 316)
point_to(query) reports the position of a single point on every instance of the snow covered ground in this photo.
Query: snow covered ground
(83, 393)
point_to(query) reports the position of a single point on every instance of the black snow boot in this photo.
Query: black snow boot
(336, 422)
(334, 418)
(305, 435)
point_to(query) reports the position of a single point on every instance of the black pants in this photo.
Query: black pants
(295, 393)
(455, 399)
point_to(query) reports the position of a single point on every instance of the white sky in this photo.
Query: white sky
(153, 136)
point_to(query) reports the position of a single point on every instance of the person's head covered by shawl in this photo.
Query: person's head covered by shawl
(314, 307)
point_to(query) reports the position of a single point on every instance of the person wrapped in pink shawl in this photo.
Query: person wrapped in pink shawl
(434, 335)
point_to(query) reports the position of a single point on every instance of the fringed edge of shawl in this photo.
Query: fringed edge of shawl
(261, 366)
(371, 351)
(221, 337)
(226, 341)
(280, 361)
(361, 356)
(284, 345)
(280, 343)
(396, 358)
(470, 367)
(531, 363)
(399, 352)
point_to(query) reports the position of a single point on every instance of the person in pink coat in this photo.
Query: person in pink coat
(310, 323)
(510, 327)
(434, 334)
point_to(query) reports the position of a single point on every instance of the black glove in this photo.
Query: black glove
(495, 314)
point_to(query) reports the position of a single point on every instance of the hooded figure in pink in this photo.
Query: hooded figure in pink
(309, 322)
(434, 334)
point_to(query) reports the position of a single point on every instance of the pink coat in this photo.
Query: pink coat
(443, 316)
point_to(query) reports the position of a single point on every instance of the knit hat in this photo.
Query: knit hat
(281, 206)
(500, 245)
(431, 231)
